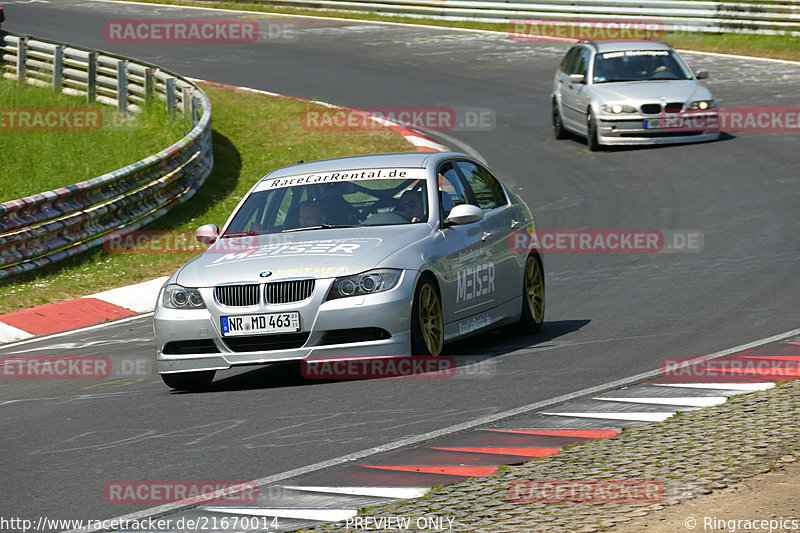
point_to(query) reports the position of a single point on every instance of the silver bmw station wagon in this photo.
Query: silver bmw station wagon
(377, 255)
(631, 92)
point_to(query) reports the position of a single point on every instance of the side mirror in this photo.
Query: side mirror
(701, 74)
(207, 234)
(577, 78)
(464, 214)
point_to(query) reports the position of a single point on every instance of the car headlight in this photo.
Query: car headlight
(370, 282)
(702, 105)
(177, 297)
(618, 108)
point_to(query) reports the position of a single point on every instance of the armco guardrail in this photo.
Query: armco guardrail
(768, 17)
(47, 227)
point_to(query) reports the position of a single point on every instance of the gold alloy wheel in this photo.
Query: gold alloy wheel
(534, 289)
(430, 319)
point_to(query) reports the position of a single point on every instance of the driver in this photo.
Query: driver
(312, 214)
(412, 206)
(655, 65)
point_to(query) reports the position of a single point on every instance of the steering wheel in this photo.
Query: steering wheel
(386, 217)
(662, 72)
(403, 214)
(366, 213)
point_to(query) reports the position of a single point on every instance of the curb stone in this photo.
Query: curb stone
(104, 306)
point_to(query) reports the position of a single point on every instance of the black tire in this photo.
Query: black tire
(532, 316)
(558, 125)
(591, 132)
(189, 380)
(427, 322)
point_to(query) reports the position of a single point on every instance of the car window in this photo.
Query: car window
(487, 191)
(281, 207)
(639, 65)
(573, 60)
(347, 199)
(581, 63)
(566, 62)
(264, 213)
(452, 190)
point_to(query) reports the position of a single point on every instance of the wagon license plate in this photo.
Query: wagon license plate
(260, 324)
(663, 123)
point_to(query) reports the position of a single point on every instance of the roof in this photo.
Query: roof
(392, 160)
(619, 46)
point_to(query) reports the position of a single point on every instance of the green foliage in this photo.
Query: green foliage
(32, 162)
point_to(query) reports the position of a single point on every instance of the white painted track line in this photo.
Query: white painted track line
(744, 387)
(79, 330)
(688, 401)
(380, 492)
(633, 416)
(322, 515)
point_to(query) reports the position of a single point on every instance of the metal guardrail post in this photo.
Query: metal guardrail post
(91, 78)
(171, 96)
(148, 85)
(187, 102)
(196, 110)
(22, 58)
(122, 85)
(58, 68)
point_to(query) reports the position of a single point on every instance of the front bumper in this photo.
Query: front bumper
(629, 129)
(326, 330)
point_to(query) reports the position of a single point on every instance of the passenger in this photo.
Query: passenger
(608, 70)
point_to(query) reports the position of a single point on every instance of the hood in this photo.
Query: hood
(314, 253)
(643, 92)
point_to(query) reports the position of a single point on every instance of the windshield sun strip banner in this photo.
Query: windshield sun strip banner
(629, 53)
(342, 176)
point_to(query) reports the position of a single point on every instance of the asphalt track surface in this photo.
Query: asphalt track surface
(608, 315)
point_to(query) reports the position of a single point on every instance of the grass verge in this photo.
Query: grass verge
(252, 135)
(775, 46)
(76, 141)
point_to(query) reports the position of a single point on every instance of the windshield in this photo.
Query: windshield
(377, 197)
(639, 65)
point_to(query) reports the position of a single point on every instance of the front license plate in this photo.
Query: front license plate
(260, 324)
(663, 123)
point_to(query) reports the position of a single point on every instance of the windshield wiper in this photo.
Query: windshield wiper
(248, 233)
(320, 226)
(653, 78)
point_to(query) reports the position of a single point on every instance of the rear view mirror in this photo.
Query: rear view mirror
(577, 78)
(701, 74)
(207, 234)
(464, 214)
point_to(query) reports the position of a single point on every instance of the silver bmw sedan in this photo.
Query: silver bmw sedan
(376, 255)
